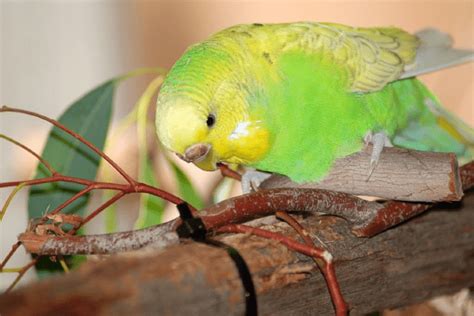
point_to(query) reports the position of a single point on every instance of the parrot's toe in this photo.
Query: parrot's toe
(378, 140)
(252, 179)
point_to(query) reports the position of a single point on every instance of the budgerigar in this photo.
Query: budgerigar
(293, 98)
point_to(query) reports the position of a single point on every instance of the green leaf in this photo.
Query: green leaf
(185, 187)
(89, 117)
(151, 207)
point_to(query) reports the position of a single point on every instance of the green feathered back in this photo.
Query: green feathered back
(315, 120)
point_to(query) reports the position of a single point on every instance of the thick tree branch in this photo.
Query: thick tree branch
(367, 218)
(232, 211)
(430, 255)
(159, 236)
(401, 174)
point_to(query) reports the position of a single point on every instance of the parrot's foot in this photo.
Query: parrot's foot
(251, 180)
(378, 140)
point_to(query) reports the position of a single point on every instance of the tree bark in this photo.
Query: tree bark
(400, 174)
(430, 255)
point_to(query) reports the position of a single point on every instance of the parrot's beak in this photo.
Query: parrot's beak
(195, 153)
(201, 155)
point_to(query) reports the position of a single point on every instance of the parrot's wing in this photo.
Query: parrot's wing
(372, 57)
(436, 52)
(376, 56)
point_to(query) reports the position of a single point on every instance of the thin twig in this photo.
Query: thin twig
(127, 177)
(41, 159)
(296, 226)
(328, 267)
(131, 187)
(52, 179)
(302, 232)
(324, 265)
(111, 201)
(138, 187)
(227, 172)
(145, 188)
(10, 253)
(58, 209)
(21, 273)
(70, 200)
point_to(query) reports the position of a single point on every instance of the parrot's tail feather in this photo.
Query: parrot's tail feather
(438, 131)
(460, 130)
(435, 52)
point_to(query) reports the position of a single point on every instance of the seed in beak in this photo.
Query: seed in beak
(196, 152)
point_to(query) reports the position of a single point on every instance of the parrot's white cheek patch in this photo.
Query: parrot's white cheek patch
(240, 130)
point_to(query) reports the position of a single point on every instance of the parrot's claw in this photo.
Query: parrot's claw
(252, 179)
(379, 141)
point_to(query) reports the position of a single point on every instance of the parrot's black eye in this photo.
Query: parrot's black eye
(211, 120)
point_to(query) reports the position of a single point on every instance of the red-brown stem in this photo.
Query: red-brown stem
(90, 185)
(21, 273)
(340, 304)
(296, 226)
(70, 200)
(76, 136)
(327, 268)
(227, 172)
(10, 254)
(66, 203)
(137, 187)
(60, 178)
(41, 160)
(111, 201)
(301, 231)
(133, 186)
(311, 251)
(145, 188)
(392, 213)
(287, 241)
(54, 178)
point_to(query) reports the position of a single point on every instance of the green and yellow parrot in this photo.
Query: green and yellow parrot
(293, 98)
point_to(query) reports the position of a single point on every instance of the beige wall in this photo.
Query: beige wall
(53, 51)
(167, 28)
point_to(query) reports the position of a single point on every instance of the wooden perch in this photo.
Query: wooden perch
(427, 256)
(367, 218)
(400, 174)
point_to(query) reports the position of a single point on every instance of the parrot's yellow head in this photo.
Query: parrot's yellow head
(203, 110)
(207, 131)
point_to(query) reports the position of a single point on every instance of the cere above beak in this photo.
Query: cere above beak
(195, 153)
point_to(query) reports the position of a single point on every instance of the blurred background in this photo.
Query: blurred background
(52, 52)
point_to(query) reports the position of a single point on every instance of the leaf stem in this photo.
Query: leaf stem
(9, 199)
